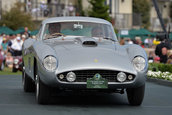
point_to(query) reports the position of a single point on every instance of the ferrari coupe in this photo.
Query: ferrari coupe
(82, 54)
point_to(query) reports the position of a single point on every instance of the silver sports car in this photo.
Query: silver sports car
(82, 54)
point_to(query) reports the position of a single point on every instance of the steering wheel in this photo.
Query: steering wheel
(54, 35)
(57, 34)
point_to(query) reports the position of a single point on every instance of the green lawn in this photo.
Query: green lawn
(8, 71)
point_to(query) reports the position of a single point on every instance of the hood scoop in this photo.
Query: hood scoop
(89, 43)
(85, 41)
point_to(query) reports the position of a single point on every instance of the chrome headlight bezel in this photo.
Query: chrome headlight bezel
(50, 63)
(139, 63)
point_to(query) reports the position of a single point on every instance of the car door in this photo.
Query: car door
(28, 54)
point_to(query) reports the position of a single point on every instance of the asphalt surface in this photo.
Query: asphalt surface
(13, 101)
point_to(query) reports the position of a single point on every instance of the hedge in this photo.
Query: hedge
(160, 67)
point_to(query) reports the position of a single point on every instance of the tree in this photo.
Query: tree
(80, 8)
(16, 18)
(142, 7)
(99, 9)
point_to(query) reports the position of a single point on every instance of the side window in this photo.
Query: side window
(39, 33)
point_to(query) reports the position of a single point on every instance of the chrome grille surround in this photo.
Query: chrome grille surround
(82, 75)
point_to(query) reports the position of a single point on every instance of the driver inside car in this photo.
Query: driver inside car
(97, 32)
(54, 28)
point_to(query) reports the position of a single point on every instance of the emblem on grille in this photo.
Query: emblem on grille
(97, 76)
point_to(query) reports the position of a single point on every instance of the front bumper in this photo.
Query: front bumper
(51, 79)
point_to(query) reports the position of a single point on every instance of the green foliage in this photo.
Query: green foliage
(80, 8)
(160, 67)
(99, 9)
(160, 71)
(142, 7)
(16, 18)
(8, 71)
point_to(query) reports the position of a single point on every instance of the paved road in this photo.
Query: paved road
(13, 101)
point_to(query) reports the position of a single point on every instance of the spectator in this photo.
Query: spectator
(138, 41)
(146, 43)
(157, 59)
(151, 57)
(156, 42)
(23, 37)
(29, 6)
(130, 41)
(26, 32)
(169, 61)
(97, 32)
(43, 7)
(122, 41)
(163, 56)
(150, 42)
(9, 60)
(158, 50)
(11, 41)
(17, 47)
(1, 39)
(5, 45)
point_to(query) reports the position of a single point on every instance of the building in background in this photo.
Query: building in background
(164, 7)
(42, 9)
(8, 4)
(121, 11)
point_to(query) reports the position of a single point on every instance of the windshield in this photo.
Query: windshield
(87, 29)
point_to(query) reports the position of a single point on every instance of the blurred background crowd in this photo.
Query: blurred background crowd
(11, 46)
(158, 50)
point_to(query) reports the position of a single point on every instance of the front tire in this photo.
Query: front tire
(42, 92)
(28, 84)
(136, 95)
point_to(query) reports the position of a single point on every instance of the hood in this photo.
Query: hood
(88, 53)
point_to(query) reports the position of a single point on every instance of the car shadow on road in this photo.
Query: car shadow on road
(89, 100)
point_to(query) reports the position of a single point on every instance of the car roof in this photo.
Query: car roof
(75, 18)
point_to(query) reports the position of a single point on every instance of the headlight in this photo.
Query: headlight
(121, 77)
(139, 63)
(16, 61)
(50, 63)
(71, 77)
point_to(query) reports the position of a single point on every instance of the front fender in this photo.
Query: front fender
(134, 50)
(42, 50)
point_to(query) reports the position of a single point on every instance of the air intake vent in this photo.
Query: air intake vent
(90, 43)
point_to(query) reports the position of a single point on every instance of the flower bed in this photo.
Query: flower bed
(160, 71)
(160, 75)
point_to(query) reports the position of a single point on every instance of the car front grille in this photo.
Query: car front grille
(82, 75)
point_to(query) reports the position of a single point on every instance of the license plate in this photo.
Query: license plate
(97, 82)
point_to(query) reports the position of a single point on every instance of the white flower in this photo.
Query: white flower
(159, 74)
